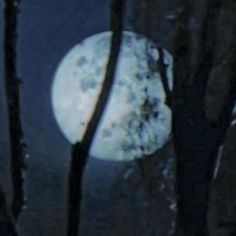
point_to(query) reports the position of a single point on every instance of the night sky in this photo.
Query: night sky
(120, 198)
(47, 30)
(112, 206)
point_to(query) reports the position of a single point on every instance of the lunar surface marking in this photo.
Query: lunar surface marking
(136, 121)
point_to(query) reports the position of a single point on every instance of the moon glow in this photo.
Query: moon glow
(136, 121)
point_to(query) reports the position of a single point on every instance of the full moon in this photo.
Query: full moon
(136, 121)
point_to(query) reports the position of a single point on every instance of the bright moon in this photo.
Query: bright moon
(136, 121)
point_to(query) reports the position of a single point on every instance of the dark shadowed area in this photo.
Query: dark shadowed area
(4, 164)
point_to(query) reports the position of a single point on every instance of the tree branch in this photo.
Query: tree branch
(17, 145)
(80, 151)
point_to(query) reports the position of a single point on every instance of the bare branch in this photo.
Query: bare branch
(17, 145)
(80, 150)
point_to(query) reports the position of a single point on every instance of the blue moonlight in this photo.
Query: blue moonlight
(137, 121)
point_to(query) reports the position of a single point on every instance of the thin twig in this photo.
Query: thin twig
(80, 150)
(164, 78)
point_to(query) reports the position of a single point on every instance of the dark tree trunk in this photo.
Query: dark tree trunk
(7, 227)
(12, 82)
(201, 35)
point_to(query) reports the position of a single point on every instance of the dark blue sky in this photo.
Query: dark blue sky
(47, 30)
(114, 195)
